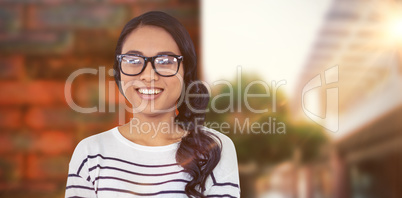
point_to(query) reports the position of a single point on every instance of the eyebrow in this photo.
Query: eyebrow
(159, 53)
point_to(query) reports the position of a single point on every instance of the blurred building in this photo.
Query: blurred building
(351, 85)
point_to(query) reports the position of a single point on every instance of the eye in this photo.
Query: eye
(133, 60)
(169, 60)
(164, 61)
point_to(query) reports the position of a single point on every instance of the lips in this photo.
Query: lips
(149, 93)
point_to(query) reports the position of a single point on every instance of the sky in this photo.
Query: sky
(270, 38)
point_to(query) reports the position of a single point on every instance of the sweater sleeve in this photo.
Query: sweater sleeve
(79, 181)
(224, 180)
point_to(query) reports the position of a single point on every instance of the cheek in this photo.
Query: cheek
(176, 83)
(125, 78)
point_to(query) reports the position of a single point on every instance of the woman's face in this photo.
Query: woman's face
(149, 92)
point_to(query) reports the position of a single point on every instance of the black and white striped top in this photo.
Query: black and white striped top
(109, 165)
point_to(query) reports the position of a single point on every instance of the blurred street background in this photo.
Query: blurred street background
(328, 73)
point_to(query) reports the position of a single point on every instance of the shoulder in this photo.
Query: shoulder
(97, 138)
(92, 144)
(225, 177)
(221, 136)
(226, 143)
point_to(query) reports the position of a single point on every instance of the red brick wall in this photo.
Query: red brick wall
(42, 42)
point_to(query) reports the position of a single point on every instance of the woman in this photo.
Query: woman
(164, 151)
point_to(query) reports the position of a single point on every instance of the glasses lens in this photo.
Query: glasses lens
(166, 65)
(132, 64)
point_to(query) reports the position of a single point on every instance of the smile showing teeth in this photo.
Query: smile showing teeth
(149, 91)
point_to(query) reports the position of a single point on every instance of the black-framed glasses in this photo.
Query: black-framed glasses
(163, 65)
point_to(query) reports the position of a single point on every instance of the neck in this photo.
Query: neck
(153, 130)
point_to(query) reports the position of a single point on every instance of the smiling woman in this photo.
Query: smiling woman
(164, 151)
(151, 41)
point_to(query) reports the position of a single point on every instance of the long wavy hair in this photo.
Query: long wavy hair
(199, 151)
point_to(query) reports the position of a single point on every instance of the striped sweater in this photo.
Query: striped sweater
(108, 165)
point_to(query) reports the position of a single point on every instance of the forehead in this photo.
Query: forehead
(150, 40)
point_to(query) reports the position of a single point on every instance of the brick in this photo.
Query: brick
(95, 43)
(36, 92)
(86, 93)
(11, 168)
(131, 2)
(45, 93)
(60, 67)
(11, 18)
(46, 188)
(186, 13)
(28, 2)
(12, 67)
(35, 190)
(53, 143)
(12, 93)
(59, 2)
(44, 168)
(10, 118)
(15, 141)
(40, 118)
(36, 42)
(5, 143)
(86, 16)
(92, 93)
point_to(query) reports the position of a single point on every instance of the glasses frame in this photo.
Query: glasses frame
(152, 60)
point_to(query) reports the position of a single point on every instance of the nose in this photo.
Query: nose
(149, 74)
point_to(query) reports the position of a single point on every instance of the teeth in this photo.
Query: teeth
(149, 91)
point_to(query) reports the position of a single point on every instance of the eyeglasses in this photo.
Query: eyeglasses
(163, 65)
